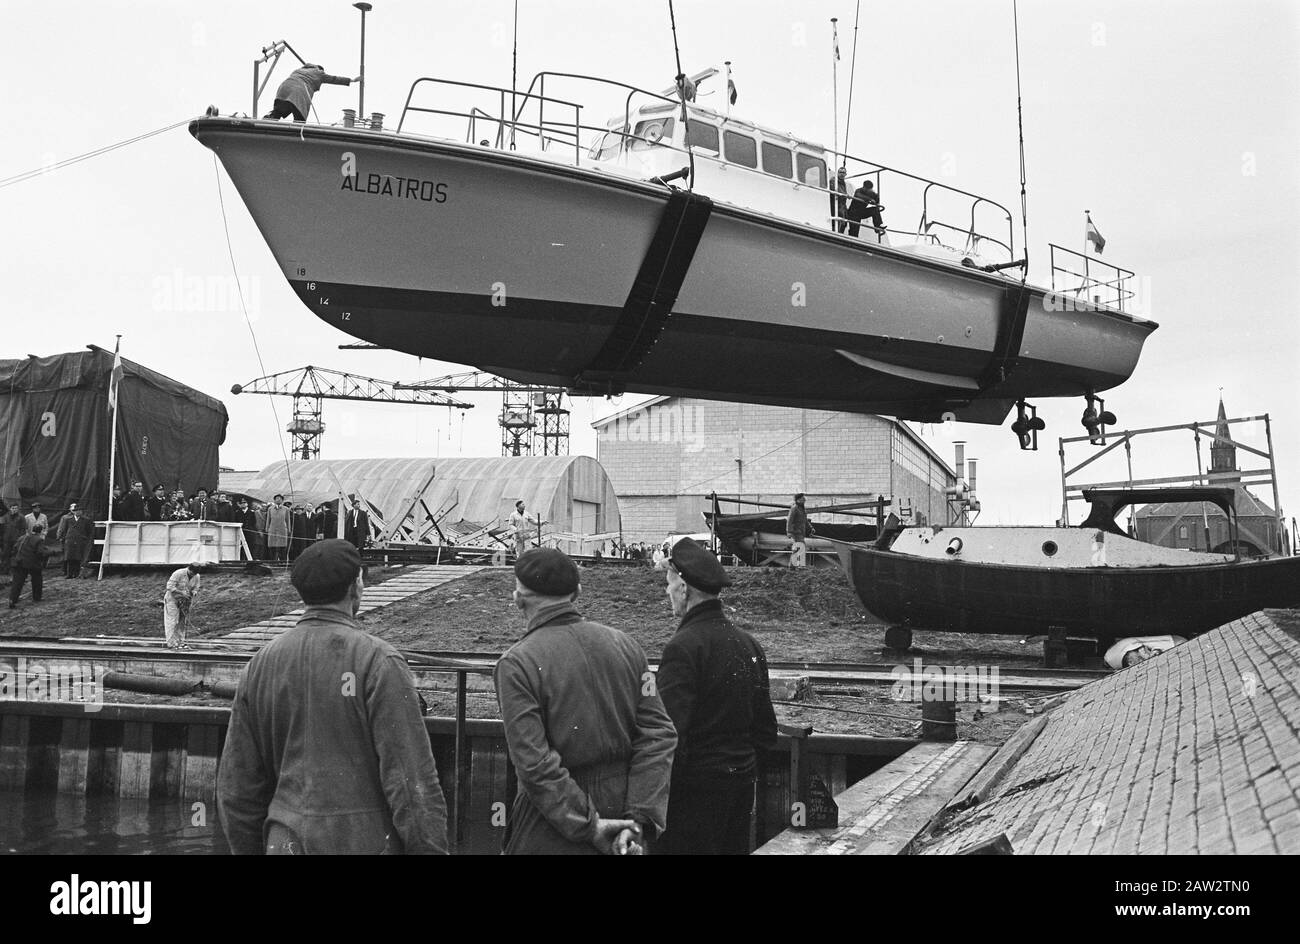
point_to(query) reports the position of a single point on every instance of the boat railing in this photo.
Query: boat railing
(514, 119)
(568, 131)
(1082, 280)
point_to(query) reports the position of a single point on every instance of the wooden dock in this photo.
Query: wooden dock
(883, 813)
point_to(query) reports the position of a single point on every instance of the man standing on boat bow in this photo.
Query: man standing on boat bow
(295, 93)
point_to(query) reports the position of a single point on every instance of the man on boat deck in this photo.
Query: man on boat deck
(327, 750)
(797, 529)
(840, 200)
(295, 93)
(713, 680)
(589, 737)
(865, 205)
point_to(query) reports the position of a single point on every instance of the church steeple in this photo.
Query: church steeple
(1223, 455)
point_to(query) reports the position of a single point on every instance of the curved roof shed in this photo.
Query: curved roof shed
(572, 493)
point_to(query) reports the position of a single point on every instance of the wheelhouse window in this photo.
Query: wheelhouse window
(607, 145)
(812, 170)
(702, 134)
(741, 149)
(651, 132)
(777, 160)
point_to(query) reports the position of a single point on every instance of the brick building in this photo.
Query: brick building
(666, 455)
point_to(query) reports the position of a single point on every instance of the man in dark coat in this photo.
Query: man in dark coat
(133, 503)
(588, 735)
(12, 529)
(29, 561)
(295, 93)
(248, 518)
(797, 529)
(203, 508)
(302, 530)
(865, 205)
(713, 680)
(155, 506)
(117, 506)
(77, 534)
(327, 751)
(356, 527)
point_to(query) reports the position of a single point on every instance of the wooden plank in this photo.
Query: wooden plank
(883, 813)
(74, 756)
(13, 751)
(102, 764)
(201, 753)
(136, 760)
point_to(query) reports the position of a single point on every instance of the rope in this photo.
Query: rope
(853, 68)
(681, 93)
(1020, 121)
(68, 162)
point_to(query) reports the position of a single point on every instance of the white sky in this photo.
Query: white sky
(1175, 123)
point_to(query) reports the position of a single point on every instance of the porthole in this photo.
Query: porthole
(1049, 548)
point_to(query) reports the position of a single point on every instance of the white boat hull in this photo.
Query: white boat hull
(523, 266)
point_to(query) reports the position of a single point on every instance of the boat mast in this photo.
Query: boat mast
(853, 68)
(1020, 123)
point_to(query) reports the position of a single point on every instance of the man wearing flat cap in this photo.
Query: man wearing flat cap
(327, 750)
(587, 733)
(797, 529)
(713, 680)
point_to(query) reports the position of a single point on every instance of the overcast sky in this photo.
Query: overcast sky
(1175, 123)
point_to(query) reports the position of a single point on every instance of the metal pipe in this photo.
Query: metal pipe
(361, 79)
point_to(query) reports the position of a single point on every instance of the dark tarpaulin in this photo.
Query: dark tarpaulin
(55, 428)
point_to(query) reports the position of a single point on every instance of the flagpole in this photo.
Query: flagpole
(728, 92)
(835, 85)
(113, 393)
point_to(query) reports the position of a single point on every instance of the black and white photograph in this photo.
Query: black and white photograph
(674, 427)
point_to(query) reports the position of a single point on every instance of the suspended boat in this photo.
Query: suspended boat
(1093, 581)
(530, 244)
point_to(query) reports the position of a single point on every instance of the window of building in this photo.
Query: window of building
(777, 160)
(741, 149)
(702, 134)
(812, 170)
(1182, 532)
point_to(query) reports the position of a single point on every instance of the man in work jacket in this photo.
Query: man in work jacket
(585, 728)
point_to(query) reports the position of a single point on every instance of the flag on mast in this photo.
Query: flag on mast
(731, 87)
(1091, 235)
(115, 378)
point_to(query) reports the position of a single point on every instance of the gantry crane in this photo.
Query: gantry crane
(309, 386)
(533, 420)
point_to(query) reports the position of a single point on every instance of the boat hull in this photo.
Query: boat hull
(1097, 602)
(523, 266)
(764, 542)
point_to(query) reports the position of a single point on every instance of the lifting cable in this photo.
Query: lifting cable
(681, 94)
(40, 171)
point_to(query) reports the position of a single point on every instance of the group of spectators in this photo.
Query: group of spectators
(274, 531)
(618, 550)
(610, 757)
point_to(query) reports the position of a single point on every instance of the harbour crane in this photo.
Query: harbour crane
(310, 386)
(533, 420)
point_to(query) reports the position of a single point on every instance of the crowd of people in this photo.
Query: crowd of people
(610, 757)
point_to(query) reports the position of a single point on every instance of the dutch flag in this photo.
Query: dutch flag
(1091, 235)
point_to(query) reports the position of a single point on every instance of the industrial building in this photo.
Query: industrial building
(666, 455)
(573, 495)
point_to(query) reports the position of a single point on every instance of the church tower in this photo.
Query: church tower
(1223, 453)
